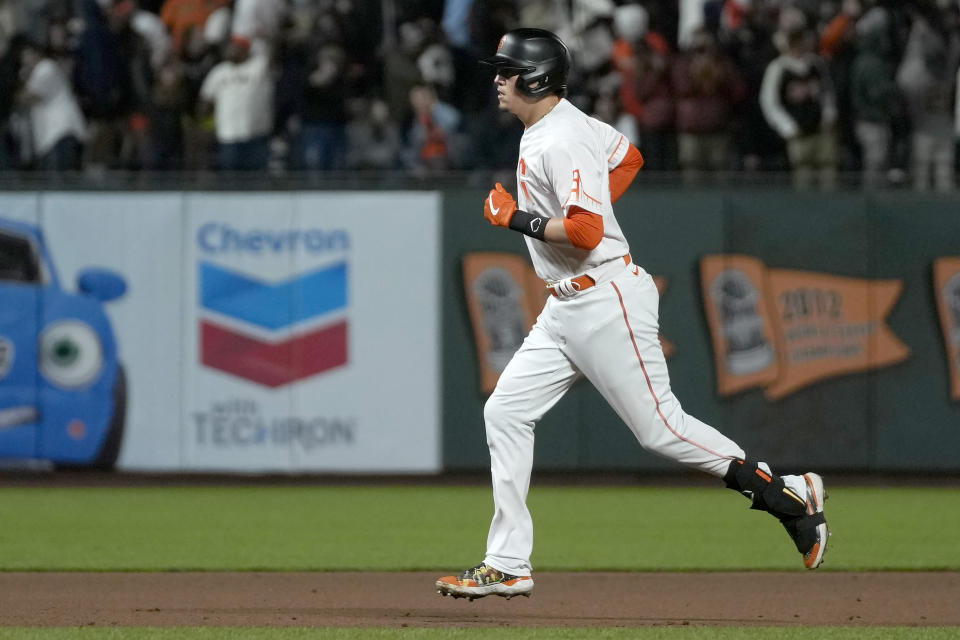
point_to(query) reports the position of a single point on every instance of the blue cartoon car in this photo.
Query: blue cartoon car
(62, 390)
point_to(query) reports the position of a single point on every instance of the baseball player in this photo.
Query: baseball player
(600, 321)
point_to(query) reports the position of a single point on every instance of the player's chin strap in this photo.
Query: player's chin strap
(768, 493)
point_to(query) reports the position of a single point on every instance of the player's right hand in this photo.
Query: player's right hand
(499, 206)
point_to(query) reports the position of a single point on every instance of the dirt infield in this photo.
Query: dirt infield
(357, 599)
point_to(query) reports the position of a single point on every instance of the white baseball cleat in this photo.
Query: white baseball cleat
(483, 580)
(815, 497)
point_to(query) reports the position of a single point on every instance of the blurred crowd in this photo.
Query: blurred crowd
(703, 87)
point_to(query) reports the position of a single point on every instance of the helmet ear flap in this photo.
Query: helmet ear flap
(539, 85)
(532, 87)
(523, 86)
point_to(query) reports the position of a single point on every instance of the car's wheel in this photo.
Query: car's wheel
(110, 449)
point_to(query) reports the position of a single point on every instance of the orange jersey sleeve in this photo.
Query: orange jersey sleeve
(584, 228)
(623, 174)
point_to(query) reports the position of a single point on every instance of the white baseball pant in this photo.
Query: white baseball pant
(608, 333)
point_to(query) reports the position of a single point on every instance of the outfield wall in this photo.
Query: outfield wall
(832, 264)
(332, 331)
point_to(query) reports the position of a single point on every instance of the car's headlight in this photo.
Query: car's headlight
(70, 354)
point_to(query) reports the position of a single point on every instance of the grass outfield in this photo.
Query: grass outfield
(671, 633)
(444, 528)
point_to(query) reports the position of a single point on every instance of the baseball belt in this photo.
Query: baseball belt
(570, 286)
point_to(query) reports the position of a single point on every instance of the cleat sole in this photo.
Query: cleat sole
(508, 589)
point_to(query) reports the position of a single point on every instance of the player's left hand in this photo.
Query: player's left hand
(499, 206)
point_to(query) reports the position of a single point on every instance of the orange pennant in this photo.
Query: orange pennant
(502, 309)
(784, 329)
(946, 282)
(831, 325)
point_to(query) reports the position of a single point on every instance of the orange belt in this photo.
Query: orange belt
(583, 282)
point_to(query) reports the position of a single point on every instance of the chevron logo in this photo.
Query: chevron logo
(276, 333)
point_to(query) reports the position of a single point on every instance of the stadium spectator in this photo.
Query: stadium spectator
(593, 51)
(240, 90)
(926, 77)
(652, 102)
(373, 138)
(642, 57)
(435, 65)
(874, 98)
(114, 78)
(746, 35)
(322, 136)
(431, 142)
(798, 102)
(838, 49)
(132, 71)
(400, 71)
(182, 15)
(56, 123)
(790, 19)
(707, 87)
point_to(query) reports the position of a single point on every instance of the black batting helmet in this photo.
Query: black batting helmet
(539, 57)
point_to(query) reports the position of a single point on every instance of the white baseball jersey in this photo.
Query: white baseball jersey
(565, 159)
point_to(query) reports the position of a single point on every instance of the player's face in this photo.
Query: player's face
(508, 96)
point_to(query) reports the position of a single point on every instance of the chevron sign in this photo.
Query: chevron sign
(273, 333)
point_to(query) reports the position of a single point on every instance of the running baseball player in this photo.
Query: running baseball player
(600, 321)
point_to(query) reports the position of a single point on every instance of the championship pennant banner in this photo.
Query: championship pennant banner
(946, 277)
(505, 296)
(783, 329)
